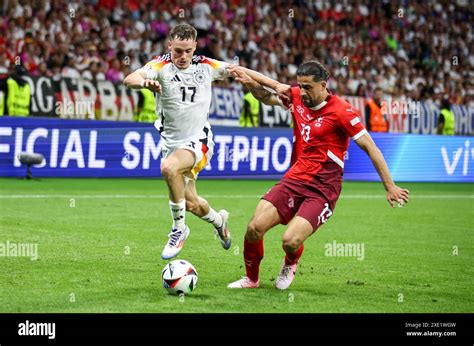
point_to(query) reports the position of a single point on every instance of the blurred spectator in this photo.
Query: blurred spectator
(446, 119)
(374, 112)
(93, 72)
(114, 73)
(403, 48)
(201, 16)
(70, 71)
(145, 109)
(250, 110)
(16, 100)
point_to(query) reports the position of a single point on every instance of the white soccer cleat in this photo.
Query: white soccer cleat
(245, 282)
(223, 232)
(286, 276)
(176, 240)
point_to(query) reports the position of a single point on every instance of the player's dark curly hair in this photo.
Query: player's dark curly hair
(313, 68)
(183, 32)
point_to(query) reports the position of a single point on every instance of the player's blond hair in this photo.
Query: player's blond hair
(183, 32)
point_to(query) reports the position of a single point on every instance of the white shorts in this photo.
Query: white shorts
(202, 146)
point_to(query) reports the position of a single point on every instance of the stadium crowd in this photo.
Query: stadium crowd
(421, 51)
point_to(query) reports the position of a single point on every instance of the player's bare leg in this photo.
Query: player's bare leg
(299, 229)
(201, 208)
(266, 216)
(173, 169)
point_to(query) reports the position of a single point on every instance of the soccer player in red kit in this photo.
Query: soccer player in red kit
(306, 196)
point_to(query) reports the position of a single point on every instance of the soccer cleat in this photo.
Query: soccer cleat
(286, 276)
(176, 240)
(245, 282)
(223, 231)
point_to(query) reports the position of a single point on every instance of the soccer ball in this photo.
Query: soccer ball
(179, 277)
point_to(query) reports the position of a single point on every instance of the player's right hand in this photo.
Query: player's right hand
(152, 85)
(398, 195)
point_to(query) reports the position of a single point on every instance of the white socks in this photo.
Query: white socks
(213, 217)
(178, 212)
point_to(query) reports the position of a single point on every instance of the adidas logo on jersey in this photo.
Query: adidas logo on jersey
(176, 79)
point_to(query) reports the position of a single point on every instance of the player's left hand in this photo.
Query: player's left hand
(240, 75)
(397, 195)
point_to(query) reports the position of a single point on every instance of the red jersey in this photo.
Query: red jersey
(321, 136)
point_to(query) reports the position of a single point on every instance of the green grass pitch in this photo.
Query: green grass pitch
(99, 244)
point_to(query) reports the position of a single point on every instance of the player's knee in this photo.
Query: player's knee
(168, 170)
(291, 243)
(255, 231)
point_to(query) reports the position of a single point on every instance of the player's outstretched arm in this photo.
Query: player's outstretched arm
(138, 80)
(255, 88)
(395, 194)
(280, 88)
(283, 90)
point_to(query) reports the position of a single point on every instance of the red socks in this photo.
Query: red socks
(293, 258)
(253, 254)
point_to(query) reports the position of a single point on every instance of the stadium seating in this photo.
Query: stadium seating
(422, 51)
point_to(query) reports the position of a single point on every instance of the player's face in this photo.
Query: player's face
(312, 93)
(182, 52)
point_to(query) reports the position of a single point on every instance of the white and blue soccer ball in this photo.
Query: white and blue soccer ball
(179, 277)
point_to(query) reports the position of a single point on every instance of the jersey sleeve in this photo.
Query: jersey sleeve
(218, 69)
(351, 124)
(154, 67)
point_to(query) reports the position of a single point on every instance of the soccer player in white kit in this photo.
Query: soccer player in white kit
(184, 83)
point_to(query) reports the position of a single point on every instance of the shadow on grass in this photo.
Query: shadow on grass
(155, 294)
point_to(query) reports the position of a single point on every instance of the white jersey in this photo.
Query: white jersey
(185, 95)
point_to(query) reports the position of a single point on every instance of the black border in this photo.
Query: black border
(243, 329)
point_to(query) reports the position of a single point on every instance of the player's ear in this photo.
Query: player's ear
(169, 44)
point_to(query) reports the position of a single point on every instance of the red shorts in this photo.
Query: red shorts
(313, 201)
